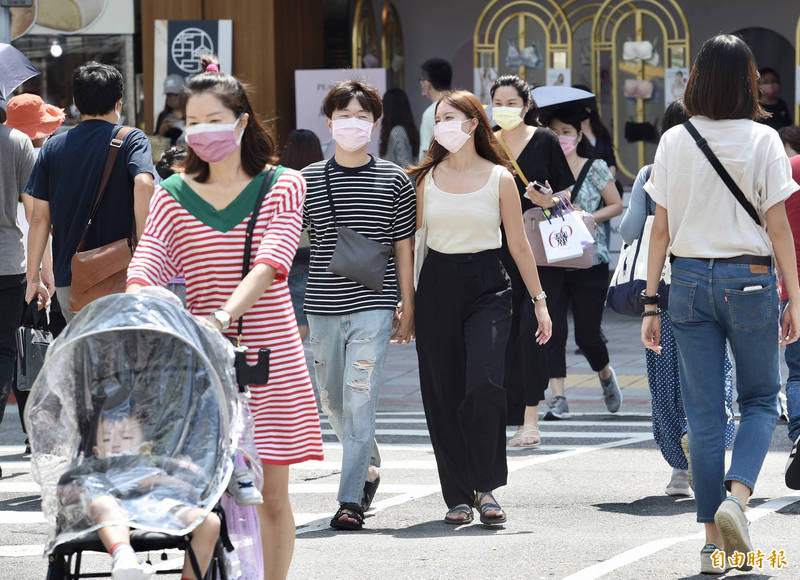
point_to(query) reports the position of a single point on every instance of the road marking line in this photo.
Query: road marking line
(27, 517)
(543, 425)
(639, 552)
(21, 551)
(324, 523)
(327, 488)
(509, 433)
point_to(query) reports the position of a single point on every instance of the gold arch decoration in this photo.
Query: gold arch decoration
(672, 27)
(499, 14)
(392, 45)
(364, 42)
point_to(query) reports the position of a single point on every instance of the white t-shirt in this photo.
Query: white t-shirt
(705, 219)
(426, 129)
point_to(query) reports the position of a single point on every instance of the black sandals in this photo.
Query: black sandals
(491, 505)
(459, 509)
(352, 511)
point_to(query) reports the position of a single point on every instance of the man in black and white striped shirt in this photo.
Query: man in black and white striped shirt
(350, 324)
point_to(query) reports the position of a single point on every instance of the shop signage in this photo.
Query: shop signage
(310, 88)
(179, 45)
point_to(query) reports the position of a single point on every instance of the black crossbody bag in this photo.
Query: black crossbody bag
(722, 172)
(355, 256)
(257, 374)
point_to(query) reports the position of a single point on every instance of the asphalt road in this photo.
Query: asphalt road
(588, 503)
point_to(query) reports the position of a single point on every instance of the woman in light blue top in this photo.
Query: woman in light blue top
(669, 418)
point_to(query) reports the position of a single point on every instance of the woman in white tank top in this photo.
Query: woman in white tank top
(463, 304)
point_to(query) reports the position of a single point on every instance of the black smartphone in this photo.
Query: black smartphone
(541, 187)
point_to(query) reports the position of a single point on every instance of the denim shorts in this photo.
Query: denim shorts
(298, 280)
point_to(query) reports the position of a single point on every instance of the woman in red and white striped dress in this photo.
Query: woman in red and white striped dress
(196, 226)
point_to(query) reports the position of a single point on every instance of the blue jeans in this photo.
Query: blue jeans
(669, 418)
(792, 357)
(349, 352)
(707, 305)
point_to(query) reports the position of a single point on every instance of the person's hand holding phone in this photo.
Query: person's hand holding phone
(540, 193)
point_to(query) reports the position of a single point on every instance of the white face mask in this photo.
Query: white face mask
(351, 134)
(450, 136)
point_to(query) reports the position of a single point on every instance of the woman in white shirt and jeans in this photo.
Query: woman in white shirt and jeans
(463, 303)
(723, 281)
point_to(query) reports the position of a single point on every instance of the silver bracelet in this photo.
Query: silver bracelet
(538, 297)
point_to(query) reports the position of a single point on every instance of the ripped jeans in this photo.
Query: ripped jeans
(349, 351)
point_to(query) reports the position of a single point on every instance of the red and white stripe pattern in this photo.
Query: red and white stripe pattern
(174, 241)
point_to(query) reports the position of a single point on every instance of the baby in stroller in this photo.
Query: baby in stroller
(122, 468)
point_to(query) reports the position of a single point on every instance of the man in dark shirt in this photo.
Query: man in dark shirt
(67, 174)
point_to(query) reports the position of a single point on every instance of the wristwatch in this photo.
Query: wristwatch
(223, 318)
(539, 297)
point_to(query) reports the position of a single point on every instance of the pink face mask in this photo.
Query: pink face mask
(351, 134)
(213, 142)
(770, 89)
(568, 144)
(450, 136)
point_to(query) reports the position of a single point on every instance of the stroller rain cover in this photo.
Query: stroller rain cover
(133, 419)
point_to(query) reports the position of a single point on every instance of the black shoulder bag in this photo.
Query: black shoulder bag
(355, 256)
(257, 374)
(722, 172)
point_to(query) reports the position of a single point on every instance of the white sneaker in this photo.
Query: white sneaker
(707, 560)
(126, 566)
(679, 484)
(732, 523)
(242, 487)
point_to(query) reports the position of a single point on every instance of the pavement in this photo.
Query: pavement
(588, 503)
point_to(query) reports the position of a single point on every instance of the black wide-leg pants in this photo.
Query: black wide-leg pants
(463, 316)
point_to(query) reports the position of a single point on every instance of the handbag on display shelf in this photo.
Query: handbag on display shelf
(635, 132)
(638, 89)
(101, 271)
(355, 256)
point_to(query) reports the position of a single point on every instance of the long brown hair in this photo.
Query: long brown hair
(258, 146)
(486, 144)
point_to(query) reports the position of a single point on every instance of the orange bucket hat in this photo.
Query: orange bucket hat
(31, 115)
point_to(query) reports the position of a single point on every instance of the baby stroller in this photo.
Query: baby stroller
(136, 406)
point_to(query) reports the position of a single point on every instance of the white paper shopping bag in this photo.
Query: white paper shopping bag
(562, 238)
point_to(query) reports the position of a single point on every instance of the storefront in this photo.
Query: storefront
(59, 35)
(584, 42)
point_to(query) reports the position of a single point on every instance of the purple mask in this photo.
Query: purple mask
(213, 142)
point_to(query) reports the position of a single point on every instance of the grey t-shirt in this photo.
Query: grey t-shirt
(16, 163)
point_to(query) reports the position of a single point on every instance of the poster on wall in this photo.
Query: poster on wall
(559, 77)
(73, 17)
(482, 82)
(675, 80)
(310, 88)
(179, 45)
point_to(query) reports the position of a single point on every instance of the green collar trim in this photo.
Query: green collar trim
(225, 219)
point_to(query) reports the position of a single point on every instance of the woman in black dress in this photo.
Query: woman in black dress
(539, 157)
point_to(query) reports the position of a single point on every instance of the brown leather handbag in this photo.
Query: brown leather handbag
(101, 271)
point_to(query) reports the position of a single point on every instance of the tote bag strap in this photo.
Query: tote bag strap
(722, 172)
(511, 159)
